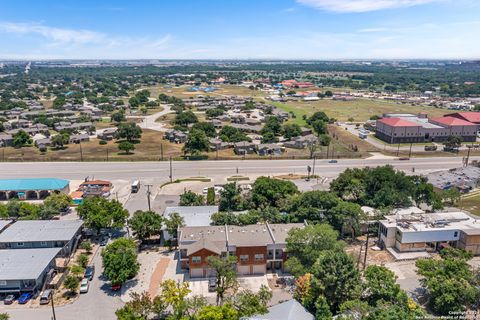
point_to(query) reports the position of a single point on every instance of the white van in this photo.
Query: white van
(135, 186)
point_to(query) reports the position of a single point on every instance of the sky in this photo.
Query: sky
(240, 29)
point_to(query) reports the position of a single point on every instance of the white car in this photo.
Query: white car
(84, 285)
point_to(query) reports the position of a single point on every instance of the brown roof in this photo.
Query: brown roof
(97, 182)
(213, 246)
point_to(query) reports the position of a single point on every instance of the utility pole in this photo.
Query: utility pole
(313, 169)
(107, 154)
(410, 152)
(366, 247)
(171, 175)
(148, 196)
(468, 157)
(398, 149)
(53, 310)
(81, 152)
(161, 151)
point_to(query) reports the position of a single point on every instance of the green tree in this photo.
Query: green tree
(231, 134)
(271, 192)
(120, 260)
(77, 270)
(129, 131)
(82, 260)
(185, 117)
(174, 221)
(211, 196)
(380, 284)
(322, 309)
(224, 312)
(71, 283)
(86, 245)
(206, 127)
(190, 198)
(126, 147)
(98, 213)
(145, 224)
(453, 142)
(174, 294)
(21, 139)
(197, 141)
(231, 198)
(118, 116)
(336, 278)
(451, 196)
(138, 308)
(268, 136)
(225, 274)
(4, 316)
(305, 246)
(60, 140)
(58, 201)
(324, 140)
(248, 303)
(291, 130)
(272, 124)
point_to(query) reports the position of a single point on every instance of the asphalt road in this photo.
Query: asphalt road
(99, 303)
(182, 169)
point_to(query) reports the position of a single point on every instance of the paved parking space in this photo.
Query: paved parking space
(406, 271)
(253, 283)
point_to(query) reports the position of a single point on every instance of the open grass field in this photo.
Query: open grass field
(359, 110)
(183, 93)
(149, 149)
(471, 204)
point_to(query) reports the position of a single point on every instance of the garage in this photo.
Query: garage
(259, 269)
(244, 270)
(196, 272)
(211, 273)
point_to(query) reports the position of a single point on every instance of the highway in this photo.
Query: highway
(182, 169)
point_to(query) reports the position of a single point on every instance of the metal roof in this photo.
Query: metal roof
(32, 184)
(25, 264)
(288, 310)
(193, 216)
(40, 230)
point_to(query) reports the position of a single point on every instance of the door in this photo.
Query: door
(243, 270)
(259, 269)
(196, 272)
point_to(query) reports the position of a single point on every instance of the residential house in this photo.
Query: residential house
(217, 144)
(193, 216)
(287, 310)
(175, 136)
(243, 147)
(6, 140)
(300, 142)
(77, 138)
(268, 149)
(258, 247)
(107, 134)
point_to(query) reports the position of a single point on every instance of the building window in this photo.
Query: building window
(3, 283)
(455, 234)
(196, 259)
(43, 243)
(20, 244)
(259, 257)
(244, 257)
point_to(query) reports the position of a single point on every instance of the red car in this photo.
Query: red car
(116, 287)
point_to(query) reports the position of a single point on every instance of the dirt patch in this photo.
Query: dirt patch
(157, 276)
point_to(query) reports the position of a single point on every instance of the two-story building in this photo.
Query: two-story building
(258, 248)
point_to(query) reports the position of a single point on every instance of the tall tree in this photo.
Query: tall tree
(145, 224)
(197, 142)
(128, 131)
(120, 260)
(98, 213)
(190, 198)
(225, 273)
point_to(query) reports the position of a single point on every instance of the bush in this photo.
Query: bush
(71, 283)
(102, 142)
(87, 246)
(82, 260)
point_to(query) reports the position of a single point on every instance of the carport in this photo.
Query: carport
(31, 189)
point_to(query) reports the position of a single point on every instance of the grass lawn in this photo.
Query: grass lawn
(471, 204)
(359, 110)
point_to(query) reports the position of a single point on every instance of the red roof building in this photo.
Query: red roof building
(451, 121)
(467, 116)
(398, 122)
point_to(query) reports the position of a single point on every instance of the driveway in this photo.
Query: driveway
(149, 122)
(99, 303)
(406, 273)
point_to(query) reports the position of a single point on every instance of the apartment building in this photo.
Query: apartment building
(259, 248)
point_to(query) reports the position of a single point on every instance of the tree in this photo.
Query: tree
(324, 140)
(211, 196)
(206, 127)
(120, 260)
(174, 222)
(305, 246)
(128, 131)
(336, 278)
(190, 198)
(145, 224)
(268, 136)
(271, 192)
(174, 294)
(118, 116)
(197, 141)
(98, 213)
(345, 214)
(71, 283)
(380, 284)
(453, 142)
(451, 196)
(60, 140)
(248, 303)
(4, 316)
(77, 270)
(86, 245)
(82, 260)
(231, 134)
(58, 201)
(318, 121)
(272, 124)
(312, 146)
(231, 198)
(450, 283)
(185, 117)
(291, 130)
(322, 309)
(126, 147)
(138, 308)
(224, 312)
(20, 139)
(225, 274)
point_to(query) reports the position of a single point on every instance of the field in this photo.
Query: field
(149, 149)
(471, 203)
(359, 110)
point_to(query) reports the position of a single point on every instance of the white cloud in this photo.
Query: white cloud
(361, 5)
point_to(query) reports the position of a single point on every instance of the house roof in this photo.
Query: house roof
(25, 264)
(40, 230)
(212, 246)
(288, 310)
(4, 223)
(398, 122)
(468, 116)
(32, 184)
(96, 182)
(193, 216)
(452, 121)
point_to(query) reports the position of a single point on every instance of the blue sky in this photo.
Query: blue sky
(240, 29)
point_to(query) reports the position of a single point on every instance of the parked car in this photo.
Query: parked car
(332, 161)
(404, 158)
(84, 285)
(9, 299)
(103, 241)
(24, 298)
(46, 296)
(89, 272)
(212, 285)
(116, 287)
